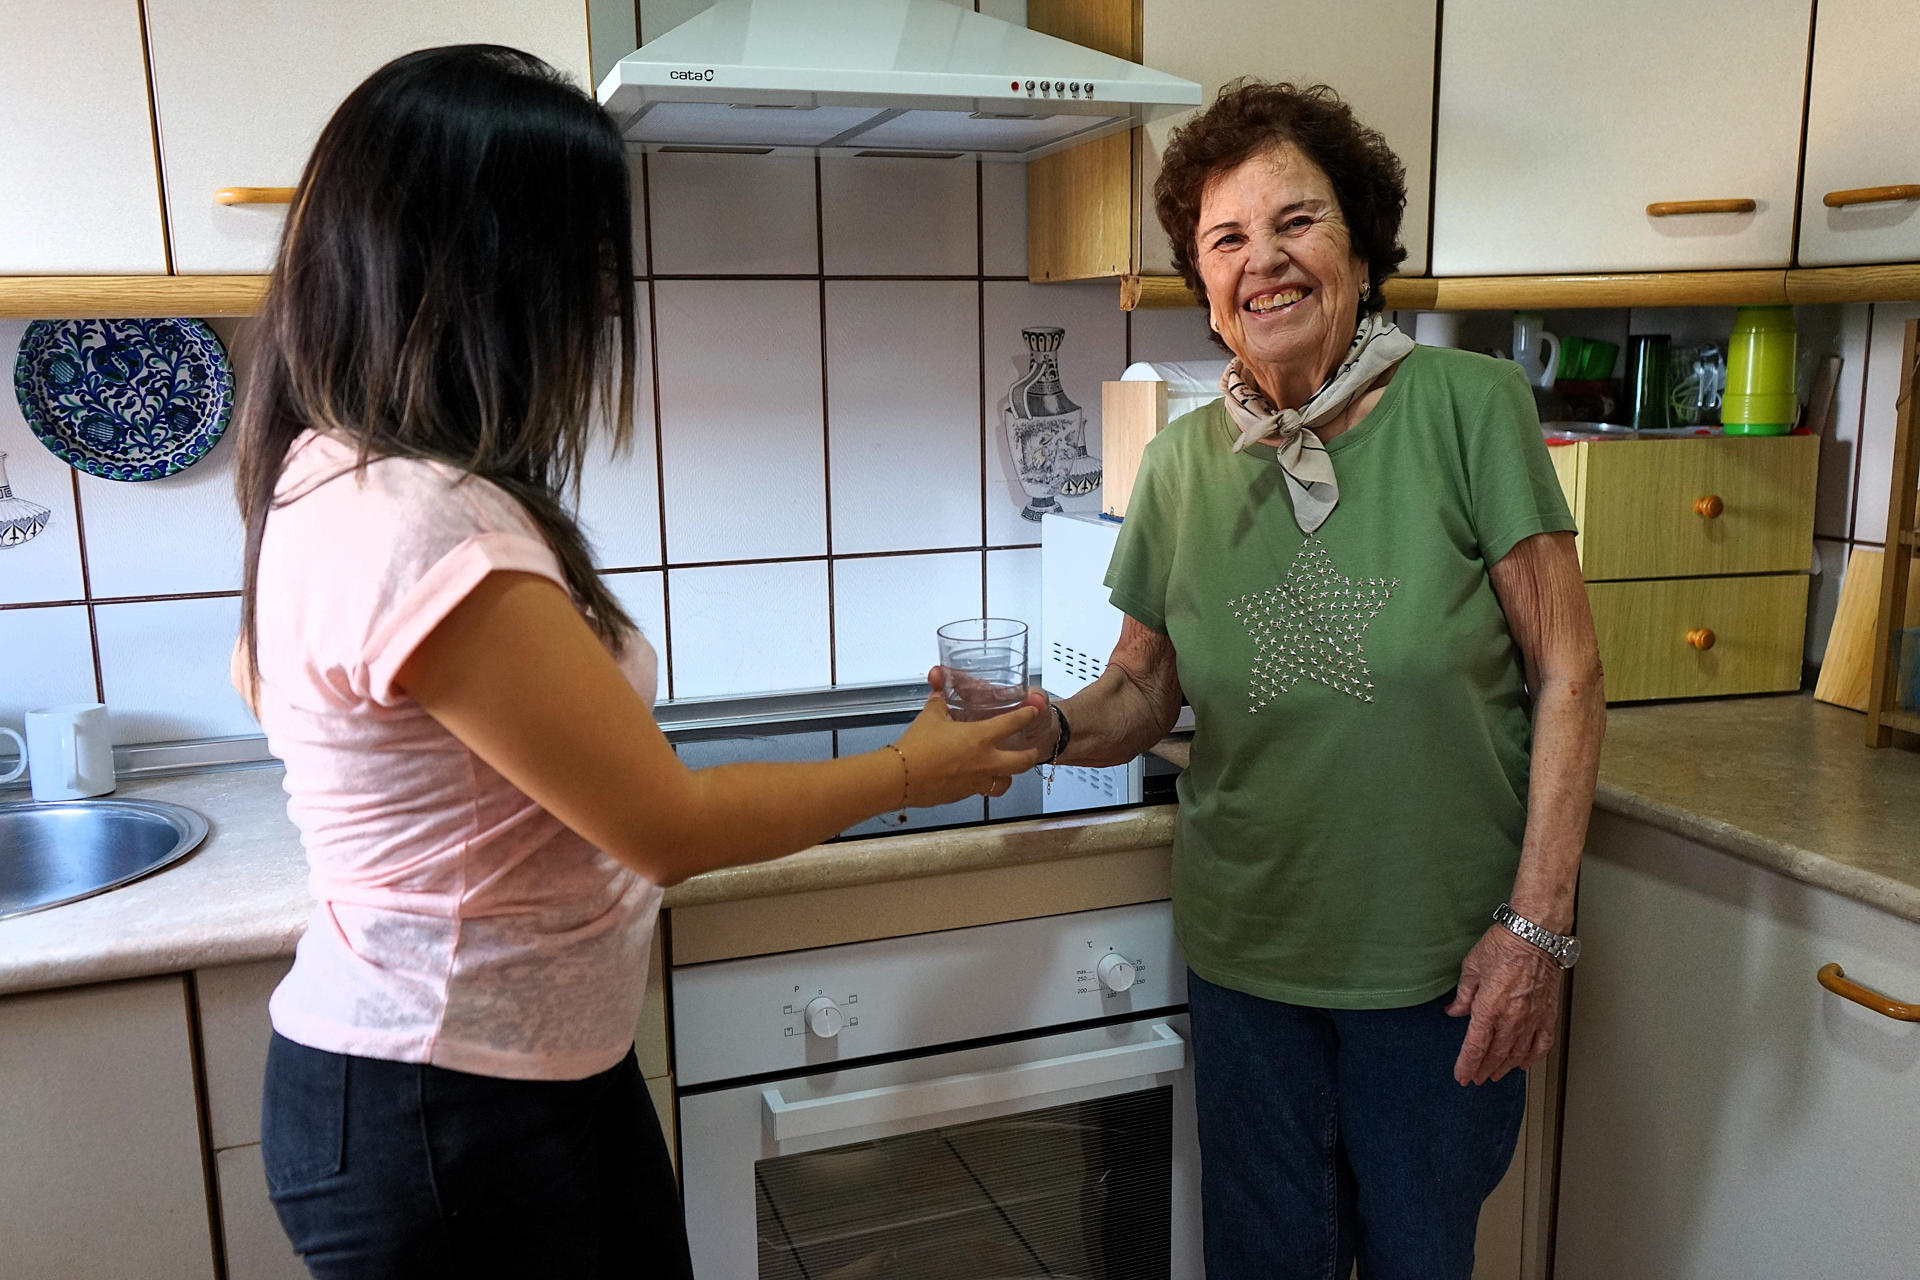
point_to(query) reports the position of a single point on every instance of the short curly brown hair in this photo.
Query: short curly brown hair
(1253, 116)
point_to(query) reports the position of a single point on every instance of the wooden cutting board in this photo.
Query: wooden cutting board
(1846, 673)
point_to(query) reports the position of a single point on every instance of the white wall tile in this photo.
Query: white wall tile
(48, 566)
(886, 610)
(899, 217)
(756, 628)
(1840, 331)
(637, 197)
(1093, 351)
(49, 660)
(1877, 424)
(903, 379)
(1180, 333)
(620, 495)
(733, 215)
(1013, 591)
(164, 663)
(1014, 11)
(740, 419)
(643, 596)
(174, 535)
(1823, 594)
(1003, 219)
(657, 17)
(855, 742)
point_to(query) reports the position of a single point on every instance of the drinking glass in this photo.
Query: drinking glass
(985, 666)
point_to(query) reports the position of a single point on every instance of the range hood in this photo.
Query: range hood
(876, 77)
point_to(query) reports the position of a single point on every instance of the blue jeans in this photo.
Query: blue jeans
(381, 1170)
(1330, 1135)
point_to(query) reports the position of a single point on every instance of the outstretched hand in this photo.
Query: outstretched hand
(1039, 735)
(948, 760)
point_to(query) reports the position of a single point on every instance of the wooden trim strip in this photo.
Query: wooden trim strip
(1888, 282)
(1834, 979)
(253, 195)
(77, 297)
(1493, 293)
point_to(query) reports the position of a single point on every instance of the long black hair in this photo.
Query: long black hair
(454, 283)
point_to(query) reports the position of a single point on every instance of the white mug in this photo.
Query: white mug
(69, 750)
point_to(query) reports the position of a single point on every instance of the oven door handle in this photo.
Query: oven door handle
(1163, 1050)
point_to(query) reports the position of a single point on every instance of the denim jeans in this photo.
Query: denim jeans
(381, 1170)
(1330, 1135)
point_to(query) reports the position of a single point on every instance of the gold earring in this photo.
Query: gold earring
(1366, 290)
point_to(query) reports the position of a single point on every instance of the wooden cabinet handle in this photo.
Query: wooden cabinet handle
(1700, 638)
(1870, 195)
(1708, 507)
(1674, 208)
(253, 195)
(1834, 979)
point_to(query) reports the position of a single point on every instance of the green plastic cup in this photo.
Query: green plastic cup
(1760, 399)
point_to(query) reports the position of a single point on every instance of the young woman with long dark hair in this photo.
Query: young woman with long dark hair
(487, 804)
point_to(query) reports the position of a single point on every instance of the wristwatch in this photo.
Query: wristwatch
(1563, 948)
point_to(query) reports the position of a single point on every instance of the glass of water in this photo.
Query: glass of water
(985, 664)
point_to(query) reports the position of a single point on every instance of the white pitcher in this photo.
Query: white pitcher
(1530, 336)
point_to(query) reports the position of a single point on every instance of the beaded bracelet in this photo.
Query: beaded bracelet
(905, 780)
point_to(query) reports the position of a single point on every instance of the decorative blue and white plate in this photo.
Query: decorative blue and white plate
(125, 399)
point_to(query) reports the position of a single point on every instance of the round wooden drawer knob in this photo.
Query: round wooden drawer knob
(1700, 638)
(1708, 507)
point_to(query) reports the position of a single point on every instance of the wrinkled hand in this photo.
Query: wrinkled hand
(1038, 736)
(1511, 990)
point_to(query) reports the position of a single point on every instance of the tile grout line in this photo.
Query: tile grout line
(86, 589)
(980, 336)
(826, 422)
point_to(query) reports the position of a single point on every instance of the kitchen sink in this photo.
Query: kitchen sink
(57, 853)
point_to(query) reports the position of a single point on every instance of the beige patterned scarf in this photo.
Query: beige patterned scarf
(1377, 346)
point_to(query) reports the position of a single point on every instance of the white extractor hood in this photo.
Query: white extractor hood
(886, 77)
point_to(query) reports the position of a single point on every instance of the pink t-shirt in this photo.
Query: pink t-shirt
(457, 923)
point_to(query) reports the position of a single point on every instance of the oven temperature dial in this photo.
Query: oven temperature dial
(1116, 972)
(824, 1018)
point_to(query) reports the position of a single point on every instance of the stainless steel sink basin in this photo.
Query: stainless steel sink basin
(57, 853)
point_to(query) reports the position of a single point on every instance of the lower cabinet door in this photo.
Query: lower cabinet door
(1726, 1118)
(257, 1249)
(101, 1168)
(1697, 637)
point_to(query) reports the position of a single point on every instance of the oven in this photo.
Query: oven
(1007, 1100)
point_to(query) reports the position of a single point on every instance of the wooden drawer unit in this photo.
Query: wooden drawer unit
(1672, 535)
(1699, 637)
(1691, 507)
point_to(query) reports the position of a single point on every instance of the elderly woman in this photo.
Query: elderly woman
(1360, 570)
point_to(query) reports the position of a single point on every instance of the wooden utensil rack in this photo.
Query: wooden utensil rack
(1884, 713)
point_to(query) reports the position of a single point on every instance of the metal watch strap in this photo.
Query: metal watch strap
(1563, 949)
(1066, 733)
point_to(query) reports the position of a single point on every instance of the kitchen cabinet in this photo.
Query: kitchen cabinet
(1090, 209)
(1725, 1116)
(76, 156)
(1696, 552)
(242, 89)
(103, 1174)
(1862, 99)
(1559, 125)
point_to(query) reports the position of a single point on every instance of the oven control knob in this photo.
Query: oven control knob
(1116, 972)
(824, 1018)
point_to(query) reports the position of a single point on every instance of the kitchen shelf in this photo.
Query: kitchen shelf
(76, 297)
(1897, 282)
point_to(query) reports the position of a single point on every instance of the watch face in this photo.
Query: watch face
(1571, 954)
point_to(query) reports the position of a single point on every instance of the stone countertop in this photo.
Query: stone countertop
(1782, 781)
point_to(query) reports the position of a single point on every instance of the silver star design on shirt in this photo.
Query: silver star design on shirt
(1310, 626)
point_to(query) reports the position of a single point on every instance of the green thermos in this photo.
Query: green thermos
(1761, 358)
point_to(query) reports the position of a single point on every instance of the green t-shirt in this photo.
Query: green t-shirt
(1357, 796)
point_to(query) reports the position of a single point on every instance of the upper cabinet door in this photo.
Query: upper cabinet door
(76, 152)
(1861, 136)
(1560, 125)
(1378, 54)
(243, 88)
